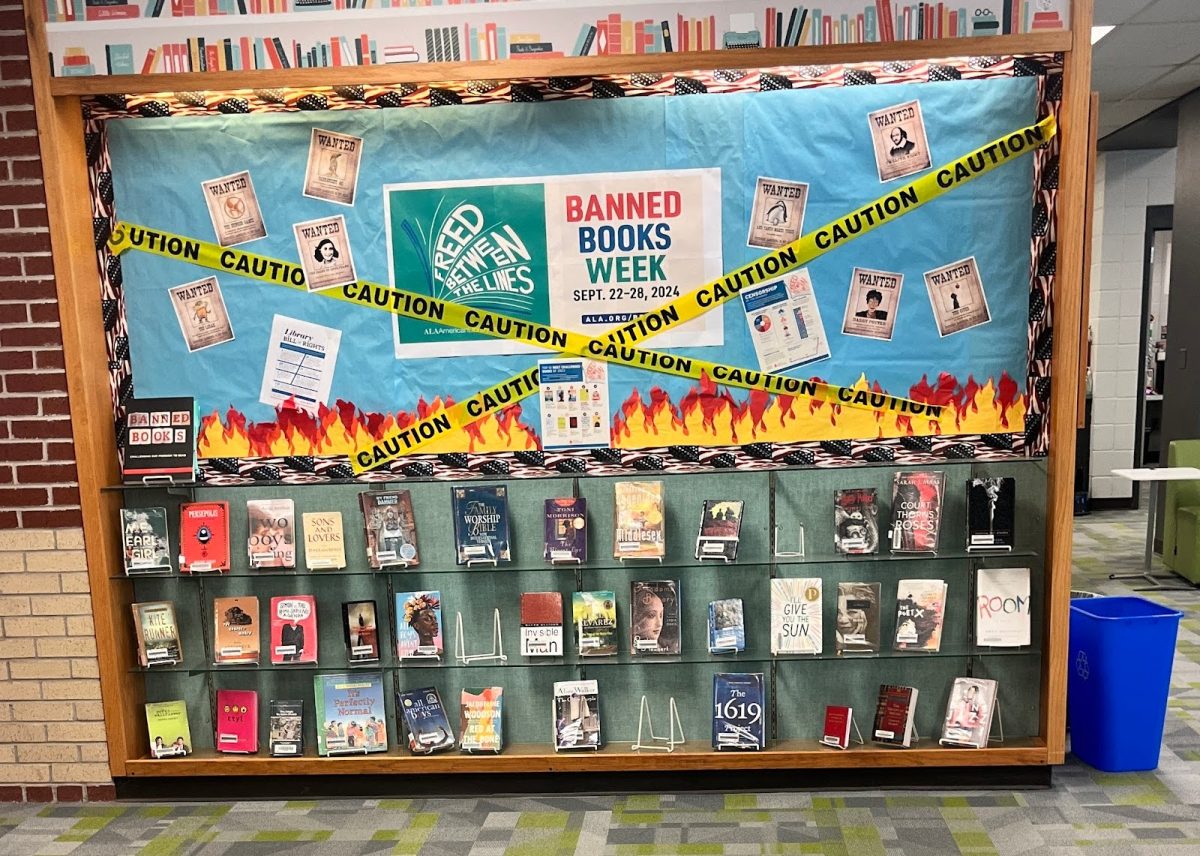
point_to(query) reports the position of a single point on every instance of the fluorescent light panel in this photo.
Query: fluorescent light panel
(1100, 32)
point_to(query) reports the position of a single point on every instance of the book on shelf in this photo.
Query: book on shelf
(739, 711)
(350, 713)
(566, 529)
(271, 533)
(796, 615)
(991, 513)
(237, 721)
(481, 523)
(167, 724)
(542, 624)
(894, 714)
(720, 529)
(286, 728)
(425, 721)
(726, 626)
(969, 713)
(858, 618)
(1002, 607)
(481, 720)
(576, 713)
(856, 521)
(391, 528)
(594, 614)
(293, 629)
(836, 730)
(916, 511)
(920, 612)
(324, 540)
(235, 630)
(418, 624)
(654, 619)
(147, 546)
(157, 633)
(639, 523)
(361, 632)
(203, 537)
(160, 443)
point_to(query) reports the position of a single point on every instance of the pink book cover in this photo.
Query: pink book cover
(293, 629)
(237, 721)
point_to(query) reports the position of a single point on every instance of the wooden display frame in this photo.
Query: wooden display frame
(61, 136)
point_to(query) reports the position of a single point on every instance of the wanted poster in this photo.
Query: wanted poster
(332, 170)
(872, 303)
(574, 395)
(200, 308)
(785, 323)
(898, 135)
(324, 249)
(956, 293)
(777, 215)
(233, 209)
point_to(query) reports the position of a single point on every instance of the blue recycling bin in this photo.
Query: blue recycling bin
(1121, 652)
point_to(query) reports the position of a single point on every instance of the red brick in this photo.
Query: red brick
(14, 452)
(9, 520)
(22, 242)
(6, 474)
(14, 45)
(42, 313)
(60, 452)
(36, 382)
(22, 194)
(39, 793)
(14, 95)
(52, 359)
(28, 474)
(15, 360)
(17, 405)
(29, 168)
(13, 313)
(9, 265)
(39, 266)
(31, 337)
(64, 496)
(33, 218)
(41, 429)
(51, 519)
(11, 18)
(56, 405)
(8, 217)
(27, 290)
(70, 793)
(11, 793)
(16, 121)
(23, 496)
(14, 69)
(101, 793)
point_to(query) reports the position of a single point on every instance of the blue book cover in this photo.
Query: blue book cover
(425, 721)
(120, 59)
(565, 529)
(726, 626)
(350, 714)
(418, 624)
(738, 711)
(481, 524)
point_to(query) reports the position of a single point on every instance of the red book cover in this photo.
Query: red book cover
(1046, 21)
(941, 20)
(237, 721)
(293, 629)
(916, 511)
(365, 47)
(681, 33)
(148, 65)
(861, 24)
(769, 35)
(466, 44)
(639, 37)
(894, 714)
(272, 54)
(335, 50)
(203, 530)
(493, 49)
(826, 30)
(836, 732)
(888, 21)
(601, 38)
(247, 57)
(176, 8)
(213, 57)
(614, 33)
(189, 7)
(78, 59)
(108, 13)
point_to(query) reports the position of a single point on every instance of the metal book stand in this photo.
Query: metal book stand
(859, 739)
(645, 723)
(460, 642)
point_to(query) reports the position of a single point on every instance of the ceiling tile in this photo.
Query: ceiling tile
(1168, 10)
(1181, 81)
(1116, 82)
(1121, 113)
(1165, 44)
(1117, 11)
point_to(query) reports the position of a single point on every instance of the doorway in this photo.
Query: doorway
(1156, 290)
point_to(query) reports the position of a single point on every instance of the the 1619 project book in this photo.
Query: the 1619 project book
(286, 728)
(991, 513)
(576, 715)
(855, 521)
(157, 633)
(916, 511)
(738, 711)
(145, 541)
(720, 529)
(481, 524)
(167, 722)
(391, 528)
(566, 529)
(481, 720)
(425, 721)
(350, 713)
(726, 626)
(271, 533)
(639, 520)
(969, 713)
(796, 615)
(654, 617)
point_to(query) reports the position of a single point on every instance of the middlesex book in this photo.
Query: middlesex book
(425, 721)
(894, 713)
(726, 626)
(576, 713)
(167, 722)
(286, 728)
(203, 537)
(542, 624)
(739, 711)
(361, 630)
(350, 713)
(418, 624)
(969, 713)
(595, 617)
(324, 540)
(161, 439)
(836, 731)
(271, 533)
(858, 618)
(920, 609)
(916, 511)
(654, 617)
(157, 633)
(481, 720)
(566, 530)
(1002, 607)
(481, 524)
(391, 528)
(991, 513)
(855, 521)
(237, 721)
(639, 530)
(720, 529)
(796, 615)
(235, 630)
(294, 629)
(145, 541)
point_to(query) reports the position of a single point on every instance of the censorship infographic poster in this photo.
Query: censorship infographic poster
(574, 399)
(785, 323)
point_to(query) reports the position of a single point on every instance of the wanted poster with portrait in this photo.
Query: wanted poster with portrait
(233, 208)
(200, 308)
(898, 135)
(777, 215)
(956, 293)
(332, 170)
(324, 249)
(872, 303)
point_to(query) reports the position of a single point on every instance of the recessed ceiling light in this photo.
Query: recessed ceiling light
(1100, 32)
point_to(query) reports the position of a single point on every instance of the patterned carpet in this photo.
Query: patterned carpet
(1085, 812)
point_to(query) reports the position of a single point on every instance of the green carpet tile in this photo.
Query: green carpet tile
(1086, 812)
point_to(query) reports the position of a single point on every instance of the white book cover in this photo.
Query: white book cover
(969, 713)
(796, 615)
(1002, 607)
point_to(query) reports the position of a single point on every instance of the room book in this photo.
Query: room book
(391, 528)
(271, 533)
(739, 711)
(237, 721)
(293, 629)
(481, 720)
(351, 718)
(145, 541)
(425, 721)
(720, 529)
(235, 630)
(1002, 607)
(565, 530)
(639, 520)
(480, 524)
(916, 511)
(167, 724)
(204, 537)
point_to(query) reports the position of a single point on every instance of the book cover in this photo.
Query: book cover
(836, 731)
(739, 711)
(167, 723)
(418, 624)
(639, 530)
(391, 528)
(157, 633)
(425, 721)
(286, 728)
(920, 608)
(481, 720)
(654, 618)
(361, 631)
(566, 530)
(235, 630)
(726, 626)
(161, 439)
(481, 523)
(720, 529)
(271, 533)
(796, 615)
(576, 715)
(1002, 607)
(856, 521)
(237, 721)
(594, 614)
(203, 537)
(350, 713)
(969, 713)
(294, 629)
(542, 624)
(894, 713)
(916, 511)
(145, 541)
(324, 540)
(991, 513)
(858, 618)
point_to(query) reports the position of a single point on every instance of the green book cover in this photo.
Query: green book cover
(167, 722)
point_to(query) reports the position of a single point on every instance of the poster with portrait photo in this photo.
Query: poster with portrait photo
(872, 304)
(324, 249)
(777, 215)
(200, 308)
(332, 169)
(898, 136)
(956, 294)
(233, 209)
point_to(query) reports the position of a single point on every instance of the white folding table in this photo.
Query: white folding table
(1155, 474)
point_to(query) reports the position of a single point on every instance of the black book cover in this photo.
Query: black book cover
(654, 617)
(160, 439)
(991, 512)
(286, 728)
(856, 521)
